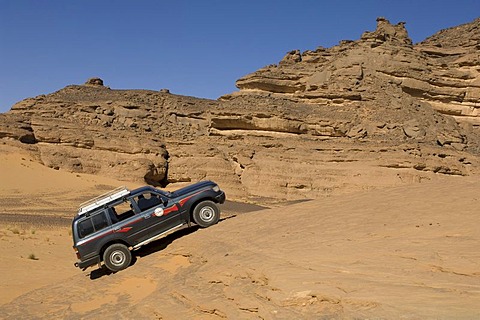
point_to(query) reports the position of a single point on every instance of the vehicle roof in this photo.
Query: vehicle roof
(143, 189)
(112, 196)
(102, 200)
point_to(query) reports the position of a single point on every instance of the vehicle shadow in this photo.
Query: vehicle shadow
(161, 244)
(100, 272)
(148, 249)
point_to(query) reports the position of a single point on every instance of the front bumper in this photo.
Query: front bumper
(221, 197)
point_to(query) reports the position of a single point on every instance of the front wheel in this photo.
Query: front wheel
(206, 213)
(117, 257)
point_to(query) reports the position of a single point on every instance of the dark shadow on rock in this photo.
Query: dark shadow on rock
(235, 207)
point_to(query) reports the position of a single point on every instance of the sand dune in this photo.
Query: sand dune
(407, 252)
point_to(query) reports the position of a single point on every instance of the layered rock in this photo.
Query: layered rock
(442, 70)
(326, 121)
(78, 129)
(453, 87)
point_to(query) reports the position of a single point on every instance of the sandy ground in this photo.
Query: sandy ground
(37, 205)
(407, 252)
(36, 208)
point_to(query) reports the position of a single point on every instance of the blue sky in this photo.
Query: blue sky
(196, 48)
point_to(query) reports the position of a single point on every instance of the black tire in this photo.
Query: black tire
(117, 257)
(206, 214)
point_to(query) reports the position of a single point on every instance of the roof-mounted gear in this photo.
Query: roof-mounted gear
(103, 199)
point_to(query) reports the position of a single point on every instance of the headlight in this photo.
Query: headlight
(216, 188)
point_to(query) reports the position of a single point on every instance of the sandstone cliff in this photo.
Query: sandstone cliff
(443, 70)
(320, 122)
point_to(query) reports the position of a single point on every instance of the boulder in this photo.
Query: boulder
(94, 82)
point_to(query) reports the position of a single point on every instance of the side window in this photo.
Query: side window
(94, 223)
(122, 210)
(99, 221)
(85, 228)
(147, 200)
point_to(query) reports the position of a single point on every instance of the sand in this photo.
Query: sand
(408, 252)
(37, 206)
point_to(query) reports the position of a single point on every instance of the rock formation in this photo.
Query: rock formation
(94, 82)
(319, 122)
(442, 70)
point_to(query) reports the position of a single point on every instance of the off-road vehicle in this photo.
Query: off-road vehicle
(108, 228)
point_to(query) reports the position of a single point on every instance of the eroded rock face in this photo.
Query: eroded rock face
(79, 129)
(356, 116)
(453, 87)
(443, 70)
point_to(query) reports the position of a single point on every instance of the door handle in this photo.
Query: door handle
(146, 216)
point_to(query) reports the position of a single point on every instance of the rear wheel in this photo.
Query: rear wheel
(206, 213)
(117, 257)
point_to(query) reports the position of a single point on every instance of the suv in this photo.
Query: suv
(107, 228)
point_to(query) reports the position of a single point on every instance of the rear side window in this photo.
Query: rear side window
(92, 224)
(85, 228)
(99, 221)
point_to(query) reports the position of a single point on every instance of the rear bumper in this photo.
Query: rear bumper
(82, 264)
(221, 197)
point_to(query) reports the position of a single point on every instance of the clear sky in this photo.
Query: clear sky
(192, 47)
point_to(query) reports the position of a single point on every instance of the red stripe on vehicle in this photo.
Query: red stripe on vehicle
(182, 201)
(170, 209)
(125, 229)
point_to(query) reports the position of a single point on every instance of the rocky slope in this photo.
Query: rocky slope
(443, 70)
(319, 122)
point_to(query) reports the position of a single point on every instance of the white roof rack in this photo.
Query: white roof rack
(103, 199)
